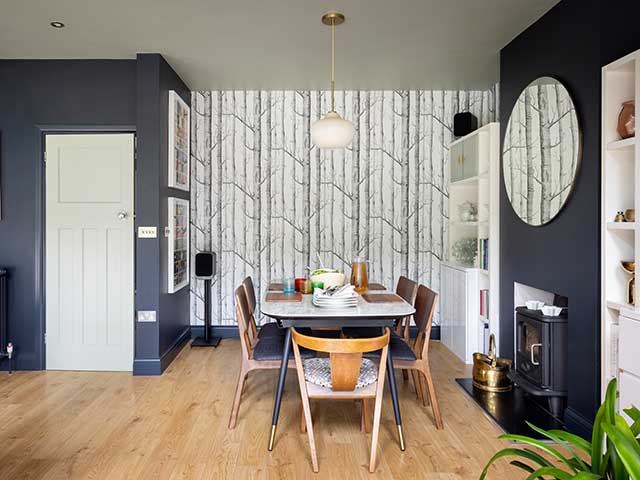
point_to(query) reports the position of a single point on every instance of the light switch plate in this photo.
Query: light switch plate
(147, 232)
(146, 315)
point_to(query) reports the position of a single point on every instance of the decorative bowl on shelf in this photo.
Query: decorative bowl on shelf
(628, 266)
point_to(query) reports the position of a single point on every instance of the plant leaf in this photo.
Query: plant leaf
(626, 446)
(634, 414)
(516, 452)
(597, 435)
(576, 440)
(579, 463)
(542, 446)
(554, 471)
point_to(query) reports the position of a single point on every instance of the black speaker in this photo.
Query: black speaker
(464, 123)
(205, 265)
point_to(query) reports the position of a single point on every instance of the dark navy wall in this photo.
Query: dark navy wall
(45, 93)
(571, 42)
(38, 95)
(158, 345)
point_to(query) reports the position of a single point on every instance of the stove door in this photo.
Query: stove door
(529, 349)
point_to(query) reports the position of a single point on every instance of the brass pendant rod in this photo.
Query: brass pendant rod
(333, 42)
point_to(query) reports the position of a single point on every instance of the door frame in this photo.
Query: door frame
(41, 217)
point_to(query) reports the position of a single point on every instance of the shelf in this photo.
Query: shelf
(614, 305)
(621, 225)
(484, 271)
(622, 144)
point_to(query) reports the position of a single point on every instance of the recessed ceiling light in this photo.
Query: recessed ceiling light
(57, 24)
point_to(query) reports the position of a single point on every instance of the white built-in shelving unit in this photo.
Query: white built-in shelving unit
(475, 177)
(619, 241)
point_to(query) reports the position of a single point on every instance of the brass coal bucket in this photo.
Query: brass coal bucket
(490, 372)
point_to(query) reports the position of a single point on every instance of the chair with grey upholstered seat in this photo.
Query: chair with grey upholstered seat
(264, 354)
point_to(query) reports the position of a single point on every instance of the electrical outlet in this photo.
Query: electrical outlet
(147, 232)
(146, 315)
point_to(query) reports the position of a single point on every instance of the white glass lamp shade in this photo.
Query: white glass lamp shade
(332, 131)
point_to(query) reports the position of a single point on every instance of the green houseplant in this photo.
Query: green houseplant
(613, 453)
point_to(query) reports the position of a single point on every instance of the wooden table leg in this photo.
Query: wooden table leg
(394, 397)
(280, 389)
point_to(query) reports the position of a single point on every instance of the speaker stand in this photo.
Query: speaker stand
(207, 340)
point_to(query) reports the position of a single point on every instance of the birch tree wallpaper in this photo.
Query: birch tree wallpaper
(541, 151)
(268, 202)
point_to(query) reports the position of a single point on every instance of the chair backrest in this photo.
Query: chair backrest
(243, 317)
(250, 292)
(345, 355)
(249, 289)
(425, 307)
(407, 289)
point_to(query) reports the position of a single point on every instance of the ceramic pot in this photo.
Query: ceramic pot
(627, 120)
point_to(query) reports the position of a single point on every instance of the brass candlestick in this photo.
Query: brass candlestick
(630, 268)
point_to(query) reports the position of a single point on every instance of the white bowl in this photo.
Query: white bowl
(534, 304)
(551, 311)
(330, 279)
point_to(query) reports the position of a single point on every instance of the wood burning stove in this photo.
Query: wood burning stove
(541, 356)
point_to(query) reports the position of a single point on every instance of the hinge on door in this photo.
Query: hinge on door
(45, 338)
(45, 156)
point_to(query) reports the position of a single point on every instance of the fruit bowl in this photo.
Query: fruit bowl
(330, 278)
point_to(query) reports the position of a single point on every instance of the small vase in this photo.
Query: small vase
(627, 120)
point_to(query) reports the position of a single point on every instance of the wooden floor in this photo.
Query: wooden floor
(114, 425)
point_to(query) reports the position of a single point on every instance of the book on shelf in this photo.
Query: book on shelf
(484, 304)
(483, 253)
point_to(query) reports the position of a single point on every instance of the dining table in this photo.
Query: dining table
(300, 312)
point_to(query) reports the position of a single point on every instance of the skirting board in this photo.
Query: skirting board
(577, 424)
(155, 366)
(231, 331)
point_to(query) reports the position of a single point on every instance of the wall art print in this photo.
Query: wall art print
(179, 142)
(178, 261)
(267, 201)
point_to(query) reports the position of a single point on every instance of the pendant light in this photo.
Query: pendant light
(332, 131)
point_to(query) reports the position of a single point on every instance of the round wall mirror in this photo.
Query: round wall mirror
(541, 153)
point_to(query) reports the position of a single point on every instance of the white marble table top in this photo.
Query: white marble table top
(364, 310)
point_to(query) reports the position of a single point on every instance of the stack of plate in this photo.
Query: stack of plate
(343, 298)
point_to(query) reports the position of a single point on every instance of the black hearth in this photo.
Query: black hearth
(541, 356)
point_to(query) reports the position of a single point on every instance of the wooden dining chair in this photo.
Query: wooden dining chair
(268, 329)
(418, 361)
(343, 375)
(264, 354)
(407, 289)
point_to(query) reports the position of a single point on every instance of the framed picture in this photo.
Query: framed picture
(179, 142)
(178, 244)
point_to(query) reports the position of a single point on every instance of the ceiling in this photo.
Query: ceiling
(281, 44)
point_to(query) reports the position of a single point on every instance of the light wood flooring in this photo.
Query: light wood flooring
(113, 425)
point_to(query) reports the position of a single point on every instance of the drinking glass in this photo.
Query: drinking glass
(359, 275)
(288, 285)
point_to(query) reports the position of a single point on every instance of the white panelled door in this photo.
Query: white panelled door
(89, 251)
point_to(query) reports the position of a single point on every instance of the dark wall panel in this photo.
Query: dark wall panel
(156, 79)
(33, 94)
(568, 43)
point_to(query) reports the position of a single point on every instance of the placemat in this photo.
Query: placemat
(283, 297)
(382, 298)
(376, 286)
(276, 286)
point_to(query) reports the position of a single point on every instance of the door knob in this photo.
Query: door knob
(122, 215)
